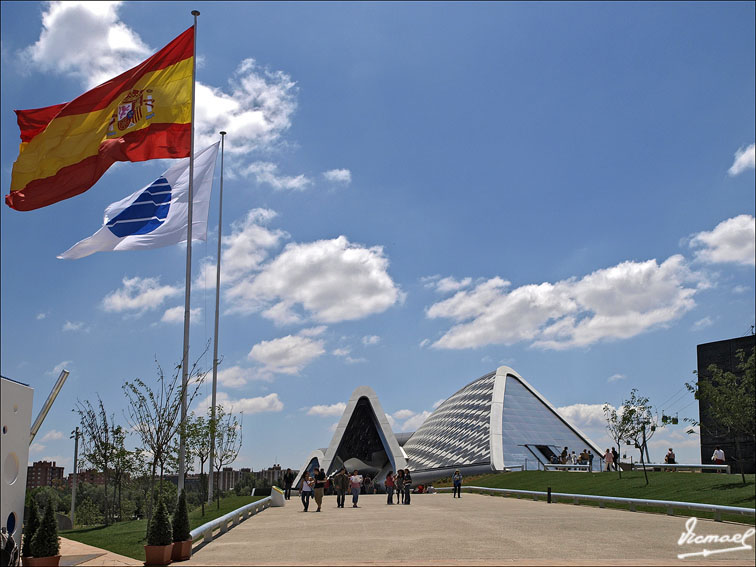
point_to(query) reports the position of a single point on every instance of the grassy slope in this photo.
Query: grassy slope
(128, 538)
(720, 489)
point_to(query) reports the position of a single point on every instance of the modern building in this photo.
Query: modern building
(493, 423)
(724, 354)
(43, 473)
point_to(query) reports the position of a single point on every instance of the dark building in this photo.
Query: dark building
(43, 473)
(724, 355)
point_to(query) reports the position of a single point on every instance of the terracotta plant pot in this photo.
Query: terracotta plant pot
(53, 561)
(182, 550)
(157, 554)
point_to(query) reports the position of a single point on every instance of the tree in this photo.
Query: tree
(87, 513)
(159, 531)
(729, 401)
(181, 527)
(124, 465)
(228, 441)
(617, 426)
(45, 542)
(31, 527)
(198, 438)
(154, 414)
(640, 423)
(97, 446)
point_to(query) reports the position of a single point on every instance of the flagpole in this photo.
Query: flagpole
(215, 339)
(188, 286)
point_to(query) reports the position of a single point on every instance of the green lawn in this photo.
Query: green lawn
(128, 538)
(720, 489)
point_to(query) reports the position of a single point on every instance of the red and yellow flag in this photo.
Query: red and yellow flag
(144, 113)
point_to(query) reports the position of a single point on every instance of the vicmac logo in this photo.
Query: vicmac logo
(689, 537)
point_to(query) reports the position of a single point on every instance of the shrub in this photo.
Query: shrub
(88, 514)
(32, 525)
(181, 520)
(159, 531)
(45, 542)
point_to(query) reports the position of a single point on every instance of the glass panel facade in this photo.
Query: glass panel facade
(362, 447)
(528, 421)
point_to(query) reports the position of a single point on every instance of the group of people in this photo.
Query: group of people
(401, 483)
(567, 458)
(611, 460)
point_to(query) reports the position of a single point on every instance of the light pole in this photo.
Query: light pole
(75, 435)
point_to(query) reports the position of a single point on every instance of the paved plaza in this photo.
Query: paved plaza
(474, 530)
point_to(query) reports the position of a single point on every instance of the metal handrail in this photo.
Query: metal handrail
(631, 502)
(205, 531)
(641, 466)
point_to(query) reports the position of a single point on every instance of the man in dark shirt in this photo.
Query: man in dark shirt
(288, 481)
(320, 482)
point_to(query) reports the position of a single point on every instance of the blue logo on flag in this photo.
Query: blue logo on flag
(146, 213)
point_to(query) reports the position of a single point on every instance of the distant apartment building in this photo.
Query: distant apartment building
(90, 476)
(270, 476)
(43, 473)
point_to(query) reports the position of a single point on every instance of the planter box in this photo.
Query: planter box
(182, 550)
(158, 554)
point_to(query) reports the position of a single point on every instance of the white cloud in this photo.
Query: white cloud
(58, 368)
(139, 295)
(351, 360)
(616, 378)
(584, 416)
(703, 323)
(37, 447)
(176, 314)
(341, 352)
(612, 303)
(333, 426)
(413, 423)
(745, 158)
(438, 402)
(327, 411)
(75, 326)
(424, 343)
(342, 176)
(447, 284)
(313, 331)
(741, 289)
(371, 340)
(41, 316)
(244, 250)
(266, 172)
(403, 414)
(262, 404)
(286, 355)
(52, 435)
(238, 376)
(732, 240)
(86, 40)
(333, 280)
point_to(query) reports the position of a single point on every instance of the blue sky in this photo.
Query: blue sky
(415, 194)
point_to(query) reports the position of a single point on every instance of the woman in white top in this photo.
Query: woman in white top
(306, 490)
(355, 483)
(608, 460)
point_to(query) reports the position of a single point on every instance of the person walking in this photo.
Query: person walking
(399, 485)
(320, 482)
(355, 483)
(608, 460)
(341, 485)
(457, 482)
(718, 457)
(407, 486)
(288, 481)
(306, 490)
(390, 487)
(615, 460)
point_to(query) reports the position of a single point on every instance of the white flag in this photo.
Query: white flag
(156, 215)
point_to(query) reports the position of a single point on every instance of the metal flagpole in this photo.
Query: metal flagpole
(215, 339)
(188, 286)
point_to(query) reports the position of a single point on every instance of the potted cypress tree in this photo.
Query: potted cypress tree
(159, 537)
(32, 524)
(182, 540)
(45, 545)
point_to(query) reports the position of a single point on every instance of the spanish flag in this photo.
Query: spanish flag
(144, 113)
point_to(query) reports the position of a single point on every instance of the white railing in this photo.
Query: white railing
(632, 503)
(206, 530)
(639, 467)
(560, 467)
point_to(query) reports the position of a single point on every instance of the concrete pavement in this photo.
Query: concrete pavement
(474, 530)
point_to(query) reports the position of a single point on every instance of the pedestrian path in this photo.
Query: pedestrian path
(437, 529)
(76, 553)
